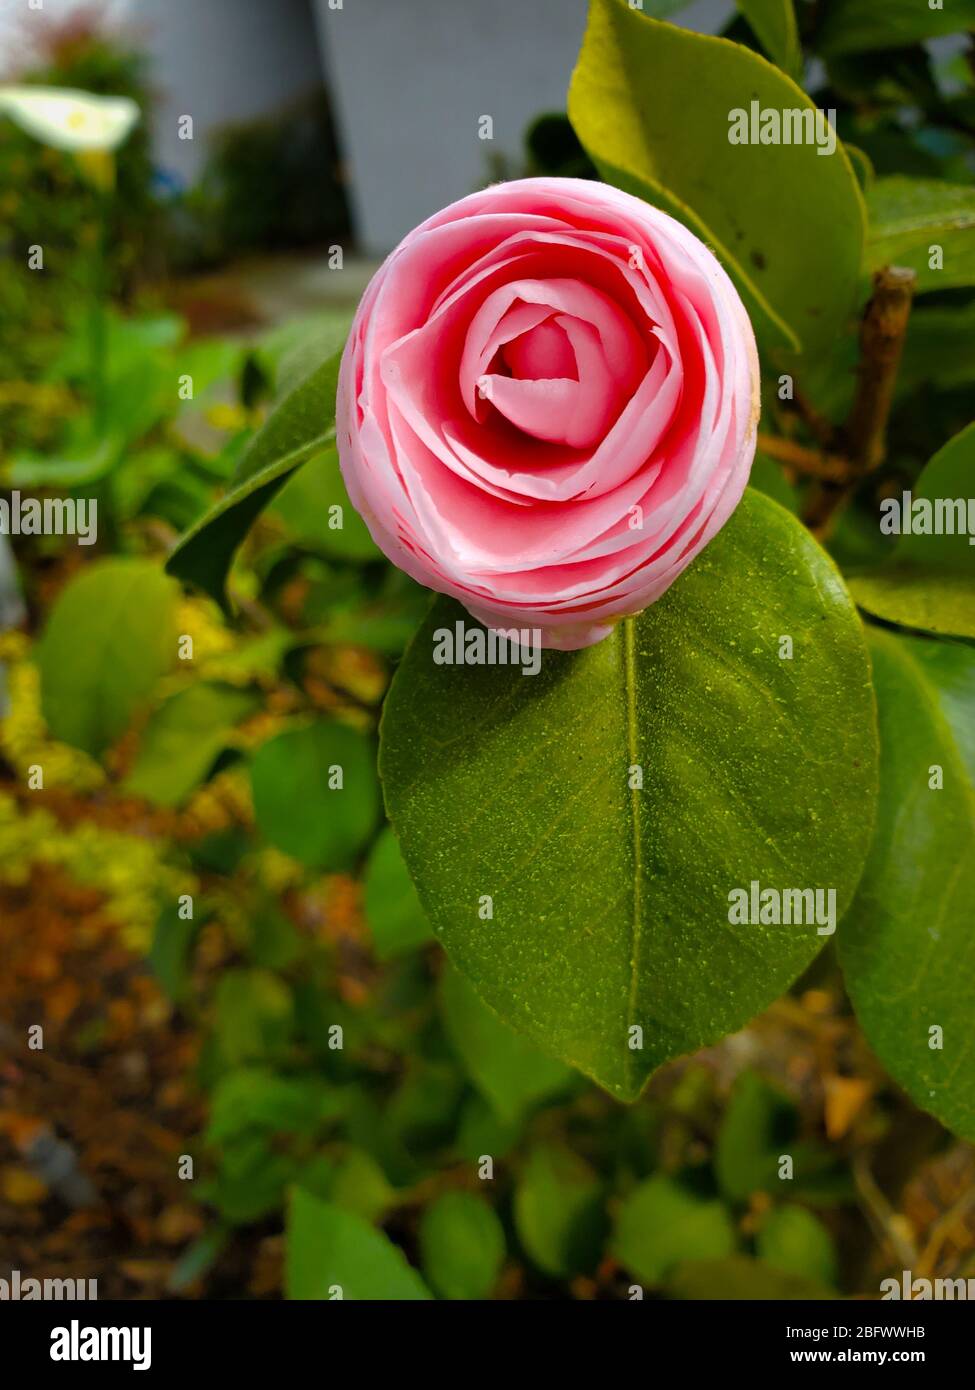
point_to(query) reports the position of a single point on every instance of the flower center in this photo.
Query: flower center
(542, 352)
(558, 359)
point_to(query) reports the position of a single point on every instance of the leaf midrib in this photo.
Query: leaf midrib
(636, 924)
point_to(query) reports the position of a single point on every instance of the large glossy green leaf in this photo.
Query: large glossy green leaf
(651, 103)
(774, 24)
(929, 581)
(609, 905)
(111, 635)
(909, 217)
(907, 944)
(299, 426)
(334, 1254)
(854, 26)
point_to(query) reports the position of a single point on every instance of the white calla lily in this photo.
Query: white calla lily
(70, 120)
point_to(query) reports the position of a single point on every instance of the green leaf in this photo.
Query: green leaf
(786, 221)
(663, 9)
(940, 348)
(258, 1099)
(758, 1128)
(387, 630)
(359, 1184)
(301, 421)
(297, 428)
(250, 1181)
(424, 1112)
(931, 601)
(292, 350)
(255, 1015)
(609, 905)
(662, 1223)
(560, 1211)
(396, 919)
(929, 581)
(461, 1246)
(183, 740)
(506, 1069)
(862, 166)
(129, 342)
(774, 25)
(481, 1130)
(273, 939)
(759, 1124)
(317, 512)
(170, 949)
(739, 1277)
(198, 1257)
(315, 793)
(854, 26)
(793, 1240)
(110, 636)
(908, 216)
(252, 657)
(81, 463)
(906, 946)
(210, 362)
(332, 1254)
(767, 476)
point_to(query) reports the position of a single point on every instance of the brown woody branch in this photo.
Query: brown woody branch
(811, 463)
(863, 438)
(882, 334)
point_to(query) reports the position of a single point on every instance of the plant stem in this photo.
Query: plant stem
(864, 436)
(96, 321)
(812, 463)
(821, 429)
(882, 334)
(880, 1213)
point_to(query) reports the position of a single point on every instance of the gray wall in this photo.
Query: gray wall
(222, 61)
(410, 78)
(410, 81)
(218, 61)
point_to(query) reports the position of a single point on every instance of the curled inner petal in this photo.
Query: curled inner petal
(557, 357)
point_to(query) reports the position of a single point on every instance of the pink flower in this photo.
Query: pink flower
(548, 404)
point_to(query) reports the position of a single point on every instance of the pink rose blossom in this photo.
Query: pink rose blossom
(548, 405)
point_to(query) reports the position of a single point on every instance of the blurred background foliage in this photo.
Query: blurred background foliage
(294, 1031)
